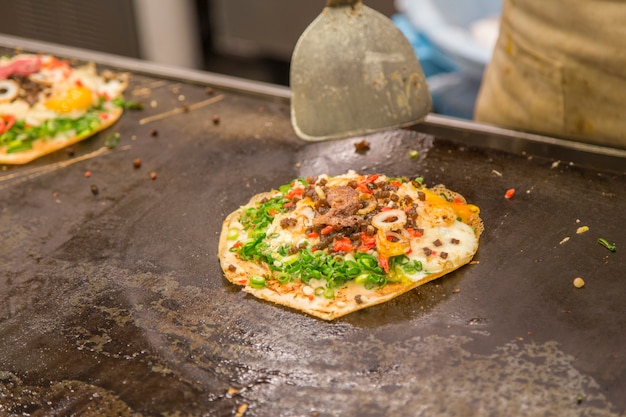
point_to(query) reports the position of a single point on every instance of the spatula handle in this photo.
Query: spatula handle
(339, 3)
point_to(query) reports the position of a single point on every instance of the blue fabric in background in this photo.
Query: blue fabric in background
(453, 92)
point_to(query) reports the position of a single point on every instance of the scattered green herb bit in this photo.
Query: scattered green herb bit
(112, 140)
(132, 105)
(606, 244)
(414, 154)
(579, 399)
(420, 180)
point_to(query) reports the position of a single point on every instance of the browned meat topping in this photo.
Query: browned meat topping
(344, 203)
(288, 222)
(29, 90)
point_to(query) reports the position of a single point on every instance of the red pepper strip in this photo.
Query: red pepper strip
(395, 183)
(272, 212)
(367, 242)
(313, 235)
(343, 245)
(294, 192)
(289, 204)
(327, 230)
(362, 183)
(238, 244)
(413, 232)
(6, 122)
(383, 262)
(55, 63)
(509, 193)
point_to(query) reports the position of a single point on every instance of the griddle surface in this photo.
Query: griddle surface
(114, 303)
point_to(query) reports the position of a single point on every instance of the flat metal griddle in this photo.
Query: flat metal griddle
(115, 304)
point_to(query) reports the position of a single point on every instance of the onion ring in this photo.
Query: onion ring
(393, 219)
(371, 203)
(8, 90)
(387, 248)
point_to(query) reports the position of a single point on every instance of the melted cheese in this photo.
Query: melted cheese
(462, 210)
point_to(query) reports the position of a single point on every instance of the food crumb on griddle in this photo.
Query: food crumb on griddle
(579, 282)
(153, 175)
(137, 163)
(362, 146)
(94, 189)
(241, 410)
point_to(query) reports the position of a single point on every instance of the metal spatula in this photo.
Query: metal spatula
(353, 72)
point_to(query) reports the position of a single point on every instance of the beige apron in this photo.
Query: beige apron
(559, 68)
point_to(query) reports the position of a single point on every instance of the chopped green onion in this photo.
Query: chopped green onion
(283, 277)
(232, 234)
(112, 140)
(413, 154)
(133, 105)
(257, 281)
(606, 244)
(361, 279)
(329, 293)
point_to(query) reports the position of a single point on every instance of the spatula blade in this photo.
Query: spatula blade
(352, 73)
